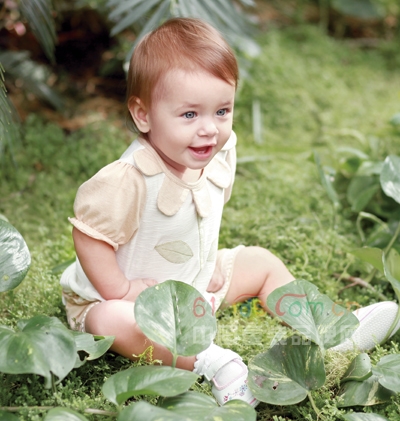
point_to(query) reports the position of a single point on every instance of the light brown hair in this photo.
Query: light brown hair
(180, 43)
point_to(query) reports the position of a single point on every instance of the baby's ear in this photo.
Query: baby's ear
(139, 114)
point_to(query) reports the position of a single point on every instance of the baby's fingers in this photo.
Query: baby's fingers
(149, 282)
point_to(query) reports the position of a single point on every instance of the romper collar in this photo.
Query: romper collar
(174, 191)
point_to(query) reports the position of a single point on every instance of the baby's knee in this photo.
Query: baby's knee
(262, 255)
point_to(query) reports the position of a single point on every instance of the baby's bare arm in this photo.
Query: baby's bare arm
(99, 262)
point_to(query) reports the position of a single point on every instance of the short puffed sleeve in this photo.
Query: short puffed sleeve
(108, 206)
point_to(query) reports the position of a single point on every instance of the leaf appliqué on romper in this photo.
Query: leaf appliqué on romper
(175, 251)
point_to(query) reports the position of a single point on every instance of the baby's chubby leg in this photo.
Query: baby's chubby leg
(256, 273)
(116, 318)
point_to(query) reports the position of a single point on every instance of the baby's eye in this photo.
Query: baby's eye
(189, 114)
(222, 112)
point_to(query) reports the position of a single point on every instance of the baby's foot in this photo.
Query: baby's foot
(227, 374)
(375, 321)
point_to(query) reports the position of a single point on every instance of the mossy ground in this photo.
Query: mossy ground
(315, 94)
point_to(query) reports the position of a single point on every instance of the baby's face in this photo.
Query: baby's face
(190, 119)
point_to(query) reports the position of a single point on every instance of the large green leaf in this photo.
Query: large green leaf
(64, 414)
(390, 177)
(201, 407)
(359, 370)
(388, 372)
(147, 380)
(286, 372)
(15, 258)
(190, 406)
(360, 416)
(314, 315)
(176, 315)
(7, 416)
(42, 345)
(144, 411)
(366, 393)
(92, 347)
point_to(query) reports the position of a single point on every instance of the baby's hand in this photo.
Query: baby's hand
(217, 282)
(136, 286)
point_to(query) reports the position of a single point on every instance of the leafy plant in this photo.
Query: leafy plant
(223, 14)
(41, 345)
(8, 119)
(15, 258)
(292, 368)
(176, 316)
(365, 384)
(372, 189)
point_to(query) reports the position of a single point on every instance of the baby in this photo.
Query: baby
(155, 213)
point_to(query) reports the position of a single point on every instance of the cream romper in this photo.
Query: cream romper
(159, 226)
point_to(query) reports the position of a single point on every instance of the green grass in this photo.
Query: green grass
(315, 93)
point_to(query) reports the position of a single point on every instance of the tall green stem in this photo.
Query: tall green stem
(315, 408)
(393, 240)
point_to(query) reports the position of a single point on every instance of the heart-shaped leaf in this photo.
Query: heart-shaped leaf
(390, 177)
(361, 416)
(92, 346)
(176, 315)
(201, 407)
(388, 372)
(7, 416)
(147, 380)
(144, 411)
(286, 372)
(371, 255)
(360, 369)
(190, 406)
(15, 258)
(64, 414)
(366, 393)
(314, 315)
(43, 346)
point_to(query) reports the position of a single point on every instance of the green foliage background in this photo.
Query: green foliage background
(314, 93)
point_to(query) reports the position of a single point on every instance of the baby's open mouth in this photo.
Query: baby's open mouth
(202, 149)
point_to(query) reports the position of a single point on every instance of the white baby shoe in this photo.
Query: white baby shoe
(375, 321)
(227, 374)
